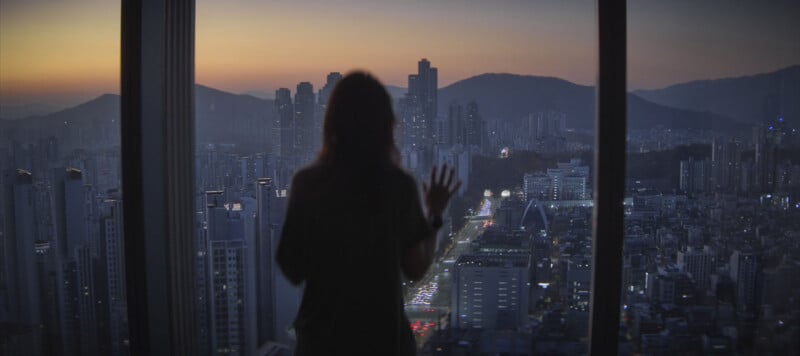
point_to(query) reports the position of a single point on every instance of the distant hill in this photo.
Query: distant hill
(727, 105)
(11, 111)
(751, 99)
(396, 92)
(513, 97)
(221, 117)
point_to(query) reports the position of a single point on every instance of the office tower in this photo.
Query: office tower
(304, 132)
(490, 292)
(698, 263)
(579, 281)
(744, 269)
(265, 298)
(285, 108)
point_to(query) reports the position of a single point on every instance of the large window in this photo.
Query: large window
(62, 258)
(711, 254)
(490, 89)
(503, 91)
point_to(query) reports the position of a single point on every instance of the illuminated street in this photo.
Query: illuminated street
(429, 299)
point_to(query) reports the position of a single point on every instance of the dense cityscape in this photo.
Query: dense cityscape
(711, 258)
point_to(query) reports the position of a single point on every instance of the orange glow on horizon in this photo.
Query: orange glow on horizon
(51, 48)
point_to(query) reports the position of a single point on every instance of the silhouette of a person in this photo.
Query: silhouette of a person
(354, 223)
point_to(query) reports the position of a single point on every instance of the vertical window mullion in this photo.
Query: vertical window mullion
(157, 82)
(609, 178)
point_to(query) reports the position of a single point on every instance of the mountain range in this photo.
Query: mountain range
(749, 99)
(730, 105)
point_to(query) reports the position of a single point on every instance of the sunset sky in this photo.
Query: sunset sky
(64, 52)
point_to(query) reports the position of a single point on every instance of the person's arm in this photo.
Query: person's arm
(418, 257)
(292, 253)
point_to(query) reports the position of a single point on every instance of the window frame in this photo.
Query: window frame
(157, 125)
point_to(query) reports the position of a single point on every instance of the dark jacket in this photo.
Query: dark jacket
(344, 235)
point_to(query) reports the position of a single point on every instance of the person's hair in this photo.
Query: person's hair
(359, 123)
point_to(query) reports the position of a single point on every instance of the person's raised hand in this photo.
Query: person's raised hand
(439, 190)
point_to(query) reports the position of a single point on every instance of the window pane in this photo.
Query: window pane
(62, 265)
(711, 256)
(502, 92)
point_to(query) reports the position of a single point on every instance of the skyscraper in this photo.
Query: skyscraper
(265, 298)
(325, 93)
(227, 281)
(22, 280)
(420, 105)
(331, 80)
(474, 127)
(70, 213)
(283, 104)
(81, 297)
(114, 243)
(304, 132)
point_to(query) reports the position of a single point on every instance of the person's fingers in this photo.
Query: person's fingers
(450, 177)
(444, 171)
(425, 188)
(455, 189)
(433, 175)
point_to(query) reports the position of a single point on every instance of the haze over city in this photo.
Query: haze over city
(247, 46)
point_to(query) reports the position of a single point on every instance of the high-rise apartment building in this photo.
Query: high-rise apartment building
(22, 279)
(285, 136)
(228, 282)
(304, 131)
(419, 107)
(114, 252)
(694, 176)
(264, 249)
(324, 94)
(698, 263)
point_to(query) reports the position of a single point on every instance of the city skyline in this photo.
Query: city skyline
(261, 46)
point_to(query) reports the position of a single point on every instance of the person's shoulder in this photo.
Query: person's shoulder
(404, 179)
